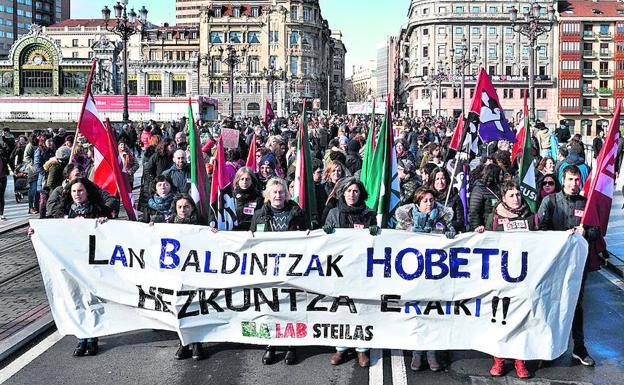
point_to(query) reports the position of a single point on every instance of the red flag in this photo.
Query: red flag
(602, 182)
(107, 170)
(268, 114)
(251, 157)
(519, 145)
(222, 205)
(457, 135)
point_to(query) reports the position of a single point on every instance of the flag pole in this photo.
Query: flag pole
(84, 102)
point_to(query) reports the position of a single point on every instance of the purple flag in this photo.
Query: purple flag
(487, 109)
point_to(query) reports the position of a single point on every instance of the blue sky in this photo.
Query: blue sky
(364, 23)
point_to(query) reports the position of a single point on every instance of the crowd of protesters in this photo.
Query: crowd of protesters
(59, 168)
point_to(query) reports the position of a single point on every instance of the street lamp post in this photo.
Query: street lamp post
(460, 63)
(436, 77)
(231, 60)
(532, 26)
(124, 26)
(271, 75)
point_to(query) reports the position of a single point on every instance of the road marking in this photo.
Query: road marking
(26, 358)
(614, 279)
(399, 375)
(375, 372)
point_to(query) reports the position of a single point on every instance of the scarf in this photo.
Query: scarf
(81, 209)
(504, 211)
(245, 195)
(192, 220)
(160, 204)
(351, 215)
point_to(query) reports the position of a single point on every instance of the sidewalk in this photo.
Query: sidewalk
(615, 235)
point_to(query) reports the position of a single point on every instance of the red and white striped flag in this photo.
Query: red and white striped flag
(107, 169)
(602, 182)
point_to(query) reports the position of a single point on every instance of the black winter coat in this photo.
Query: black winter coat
(345, 217)
(456, 205)
(482, 202)
(297, 220)
(247, 202)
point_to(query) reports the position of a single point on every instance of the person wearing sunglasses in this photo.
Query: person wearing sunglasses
(547, 185)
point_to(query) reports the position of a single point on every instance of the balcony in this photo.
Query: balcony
(605, 110)
(605, 54)
(605, 91)
(589, 54)
(605, 36)
(589, 35)
(589, 91)
(588, 110)
(589, 73)
(605, 73)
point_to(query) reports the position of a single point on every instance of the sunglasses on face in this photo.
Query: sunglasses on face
(548, 183)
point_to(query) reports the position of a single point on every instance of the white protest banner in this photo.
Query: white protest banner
(505, 294)
(365, 108)
(230, 137)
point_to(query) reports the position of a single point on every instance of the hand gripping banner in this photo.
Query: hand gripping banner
(505, 294)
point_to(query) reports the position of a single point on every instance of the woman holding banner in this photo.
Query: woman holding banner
(184, 211)
(158, 208)
(511, 214)
(351, 213)
(279, 213)
(81, 199)
(425, 215)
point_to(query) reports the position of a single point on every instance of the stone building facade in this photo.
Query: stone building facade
(435, 30)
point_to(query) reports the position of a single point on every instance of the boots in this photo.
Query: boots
(521, 369)
(363, 359)
(498, 368)
(338, 358)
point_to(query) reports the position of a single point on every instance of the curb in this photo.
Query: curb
(616, 265)
(24, 336)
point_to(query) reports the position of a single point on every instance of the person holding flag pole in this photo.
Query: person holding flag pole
(587, 216)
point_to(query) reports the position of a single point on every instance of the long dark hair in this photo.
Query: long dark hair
(161, 147)
(188, 198)
(492, 176)
(93, 195)
(350, 181)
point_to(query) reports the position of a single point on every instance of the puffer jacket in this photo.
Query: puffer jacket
(482, 201)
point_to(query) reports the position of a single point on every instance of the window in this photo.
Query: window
(570, 65)
(236, 12)
(441, 50)
(508, 31)
(509, 51)
(74, 42)
(475, 9)
(294, 64)
(274, 36)
(74, 81)
(253, 37)
(273, 61)
(492, 31)
(459, 30)
(216, 65)
(425, 31)
(132, 87)
(425, 52)
(525, 51)
(492, 51)
(216, 11)
(255, 11)
(74, 55)
(541, 51)
(604, 28)
(294, 38)
(254, 65)
(235, 37)
(425, 71)
(305, 65)
(293, 12)
(216, 37)
(475, 30)
(459, 9)
(37, 81)
(492, 9)
(307, 14)
(441, 30)
(178, 85)
(442, 10)
(154, 87)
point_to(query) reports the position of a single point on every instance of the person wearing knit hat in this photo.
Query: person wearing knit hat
(575, 158)
(266, 169)
(343, 142)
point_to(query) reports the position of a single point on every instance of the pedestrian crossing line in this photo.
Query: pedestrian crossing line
(26, 358)
(399, 375)
(375, 371)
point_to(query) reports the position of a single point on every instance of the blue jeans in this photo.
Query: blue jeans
(33, 196)
(344, 349)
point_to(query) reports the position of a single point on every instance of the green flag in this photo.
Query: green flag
(382, 181)
(198, 170)
(527, 167)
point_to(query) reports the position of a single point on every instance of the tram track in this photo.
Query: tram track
(12, 239)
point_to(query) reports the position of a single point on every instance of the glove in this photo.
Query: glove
(593, 234)
(374, 230)
(328, 229)
(427, 229)
(450, 234)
